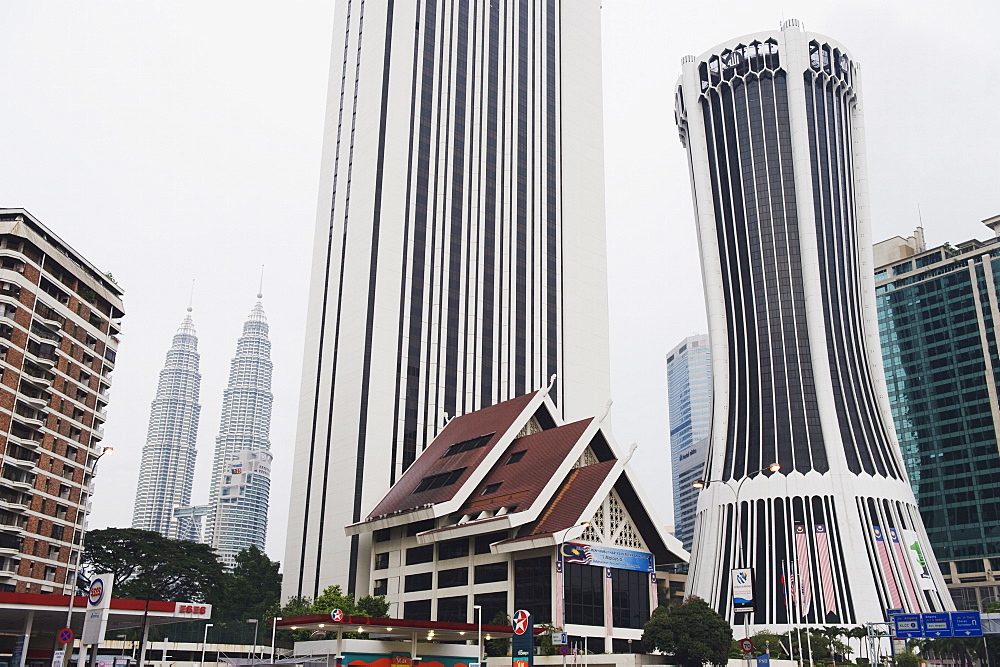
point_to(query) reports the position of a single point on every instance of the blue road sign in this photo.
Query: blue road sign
(907, 626)
(966, 624)
(764, 660)
(937, 625)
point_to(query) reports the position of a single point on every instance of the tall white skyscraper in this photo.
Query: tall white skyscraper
(773, 126)
(166, 473)
(689, 394)
(241, 470)
(459, 253)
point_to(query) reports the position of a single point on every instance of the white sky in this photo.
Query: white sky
(171, 141)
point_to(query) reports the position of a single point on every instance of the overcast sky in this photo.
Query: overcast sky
(179, 141)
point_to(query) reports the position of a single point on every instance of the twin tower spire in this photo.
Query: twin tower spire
(236, 515)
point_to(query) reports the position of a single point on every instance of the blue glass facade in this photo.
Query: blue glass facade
(938, 314)
(689, 393)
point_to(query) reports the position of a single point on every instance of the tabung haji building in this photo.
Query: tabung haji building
(772, 124)
(510, 508)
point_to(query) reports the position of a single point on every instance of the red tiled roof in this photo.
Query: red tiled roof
(569, 502)
(495, 419)
(521, 482)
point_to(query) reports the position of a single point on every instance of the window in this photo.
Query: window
(492, 488)
(629, 598)
(533, 587)
(57, 532)
(515, 457)
(451, 578)
(454, 609)
(467, 445)
(486, 574)
(437, 481)
(483, 542)
(383, 535)
(380, 587)
(417, 555)
(53, 552)
(413, 529)
(382, 561)
(494, 605)
(584, 594)
(417, 610)
(418, 582)
(453, 549)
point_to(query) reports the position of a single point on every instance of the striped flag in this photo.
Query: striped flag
(825, 571)
(897, 549)
(802, 567)
(890, 576)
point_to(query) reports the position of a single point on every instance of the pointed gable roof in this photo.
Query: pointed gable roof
(494, 421)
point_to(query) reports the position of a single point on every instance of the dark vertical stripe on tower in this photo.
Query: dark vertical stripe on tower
(352, 574)
(490, 209)
(522, 300)
(551, 365)
(403, 376)
(322, 326)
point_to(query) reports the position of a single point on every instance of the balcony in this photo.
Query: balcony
(18, 479)
(29, 416)
(12, 523)
(21, 456)
(49, 317)
(39, 377)
(8, 567)
(43, 354)
(15, 504)
(10, 544)
(30, 441)
(45, 332)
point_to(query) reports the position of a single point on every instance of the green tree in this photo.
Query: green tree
(498, 647)
(908, 659)
(692, 632)
(149, 566)
(251, 590)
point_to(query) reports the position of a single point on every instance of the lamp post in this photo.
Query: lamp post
(274, 633)
(256, 626)
(741, 556)
(479, 621)
(204, 641)
(79, 554)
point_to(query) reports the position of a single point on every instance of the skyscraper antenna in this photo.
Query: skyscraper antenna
(260, 290)
(920, 216)
(191, 297)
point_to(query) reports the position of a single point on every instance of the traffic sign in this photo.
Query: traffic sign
(65, 636)
(764, 660)
(937, 625)
(966, 624)
(564, 650)
(746, 645)
(907, 626)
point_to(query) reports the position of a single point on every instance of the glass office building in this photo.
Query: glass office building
(937, 310)
(689, 396)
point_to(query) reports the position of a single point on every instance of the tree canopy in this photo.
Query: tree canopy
(149, 566)
(692, 632)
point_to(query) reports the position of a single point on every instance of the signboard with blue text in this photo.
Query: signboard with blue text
(622, 559)
(522, 648)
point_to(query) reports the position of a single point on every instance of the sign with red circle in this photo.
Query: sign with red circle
(337, 615)
(564, 650)
(746, 645)
(96, 592)
(521, 618)
(65, 635)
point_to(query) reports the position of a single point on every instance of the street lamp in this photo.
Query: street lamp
(204, 641)
(253, 654)
(83, 532)
(479, 620)
(704, 484)
(274, 632)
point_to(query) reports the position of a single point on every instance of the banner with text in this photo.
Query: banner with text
(622, 559)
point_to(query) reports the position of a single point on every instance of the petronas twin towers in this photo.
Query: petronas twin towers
(236, 515)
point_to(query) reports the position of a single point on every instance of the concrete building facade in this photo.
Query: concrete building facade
(60, 318)
(459, 255)
(772, 123)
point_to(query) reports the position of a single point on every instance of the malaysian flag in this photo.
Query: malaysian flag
(825, 571)
(897, 549)
(802, 567)
(890, 576)
(784, 585)
(576, 553)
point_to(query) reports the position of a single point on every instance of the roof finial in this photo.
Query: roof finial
(191, 297)
(260, 290)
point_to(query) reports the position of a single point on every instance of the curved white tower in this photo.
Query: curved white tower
(166, 473)
(773, 127)
(241, 469)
